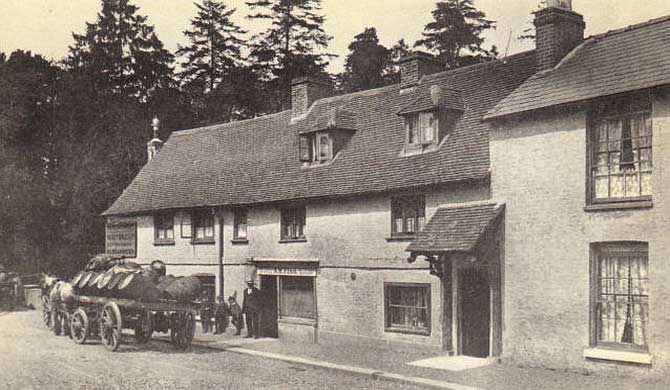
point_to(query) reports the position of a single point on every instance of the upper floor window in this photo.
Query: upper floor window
(202, 223)
(240, 225)
(164, 228)
(293, 223)
(408, 214)
(422, 129)
(620, 151)
(316, 147)
(620, 298)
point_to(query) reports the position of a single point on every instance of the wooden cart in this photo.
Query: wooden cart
(106, 317)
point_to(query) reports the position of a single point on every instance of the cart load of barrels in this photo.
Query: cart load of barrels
(115, 293)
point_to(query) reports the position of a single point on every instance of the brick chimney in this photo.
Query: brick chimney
(558, 30)
(416, 64)
(155, 144)
(305, 91)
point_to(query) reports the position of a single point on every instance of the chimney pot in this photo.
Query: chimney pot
(415, 65)
(305, 91)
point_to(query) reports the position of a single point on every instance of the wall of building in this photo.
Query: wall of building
(539, 167)
(347, 236)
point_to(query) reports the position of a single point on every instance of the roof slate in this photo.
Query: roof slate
(619, 61)
(455, 228)
(258, 161)
(443, 99)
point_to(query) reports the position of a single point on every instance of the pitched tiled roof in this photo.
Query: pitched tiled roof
(619, 61)
(336, 118)
(437, 98)
(257, 160)
(455, 228)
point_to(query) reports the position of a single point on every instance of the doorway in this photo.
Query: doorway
(268, 320)
(474, 294)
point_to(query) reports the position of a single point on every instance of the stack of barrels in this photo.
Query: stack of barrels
(109, 276)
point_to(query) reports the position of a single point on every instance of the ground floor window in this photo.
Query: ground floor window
(407, 307)
(296, 297)
(621, 294)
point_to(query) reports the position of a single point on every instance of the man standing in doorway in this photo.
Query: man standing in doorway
(251, 307)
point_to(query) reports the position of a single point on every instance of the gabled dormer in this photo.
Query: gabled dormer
(326, 136)
(429, 118)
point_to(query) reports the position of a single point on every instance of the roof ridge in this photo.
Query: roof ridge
(224, 125)
(449, 72)
(474, 203)
(630, 27)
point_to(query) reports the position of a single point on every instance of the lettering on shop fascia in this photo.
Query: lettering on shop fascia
(286, 272)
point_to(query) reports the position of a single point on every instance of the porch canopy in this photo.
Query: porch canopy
(456, 228)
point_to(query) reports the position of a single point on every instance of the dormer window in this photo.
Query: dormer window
(316, 147)
(422, 128)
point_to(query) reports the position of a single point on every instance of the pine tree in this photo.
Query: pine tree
(215, 44)
(364, 66)
(122, 51)
(392, 70)
(290, 47)
(455, 33)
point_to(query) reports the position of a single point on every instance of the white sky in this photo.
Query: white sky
(45, 26)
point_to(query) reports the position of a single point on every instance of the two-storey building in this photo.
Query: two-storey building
(507, 209)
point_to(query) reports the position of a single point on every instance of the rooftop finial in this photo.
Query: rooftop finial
(155, 125)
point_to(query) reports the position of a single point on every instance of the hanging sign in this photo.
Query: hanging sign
(121, 239)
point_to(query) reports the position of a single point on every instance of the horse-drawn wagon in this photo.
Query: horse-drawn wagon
(103, 302)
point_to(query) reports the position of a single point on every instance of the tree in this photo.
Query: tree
(289, 47)
(122, 51)
(364, 66)
(529, 32)
(455, 33)
(215, 43)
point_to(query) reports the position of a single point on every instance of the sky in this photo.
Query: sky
(46, 26)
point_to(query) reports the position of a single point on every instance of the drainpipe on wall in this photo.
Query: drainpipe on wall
(221, 256)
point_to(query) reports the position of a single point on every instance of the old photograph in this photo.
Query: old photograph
(335, 194)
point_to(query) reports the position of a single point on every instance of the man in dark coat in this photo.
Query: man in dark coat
(251, 307)
(206, 312)
(236, 317)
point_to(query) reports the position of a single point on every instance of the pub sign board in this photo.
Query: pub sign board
(121, 238)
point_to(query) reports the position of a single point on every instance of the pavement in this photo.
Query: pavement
(419, 368)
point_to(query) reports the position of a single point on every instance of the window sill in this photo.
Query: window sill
(297, 321)
(163, 242)
(239, 241)
(408, 331)
(617, 355)
(292, 240)
(641, 204)
(203, 241)
(403, 237)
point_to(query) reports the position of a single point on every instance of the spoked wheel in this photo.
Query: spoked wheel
(182, 330)
(110, 326)
(46, 312)
(55, 321)
(143, 328)
(79, 326)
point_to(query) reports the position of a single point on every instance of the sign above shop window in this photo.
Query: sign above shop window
(287, 272)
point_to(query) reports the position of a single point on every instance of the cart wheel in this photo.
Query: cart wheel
(143, 328)
(55, 321)
(182, 330)
(79, 326)
(110, 326)
(46, 312)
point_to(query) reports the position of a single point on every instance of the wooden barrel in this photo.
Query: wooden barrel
(115, 281)
(105, 279)
(185, 289)
(66, 293)
(84, 280)
(77, 278)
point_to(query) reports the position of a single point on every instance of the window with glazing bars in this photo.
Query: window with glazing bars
(203, 225)
(621, 152)
(240, 224)
(407, 307)
(293, 223)
(621, 294)
(164, 227)
(408, 214)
